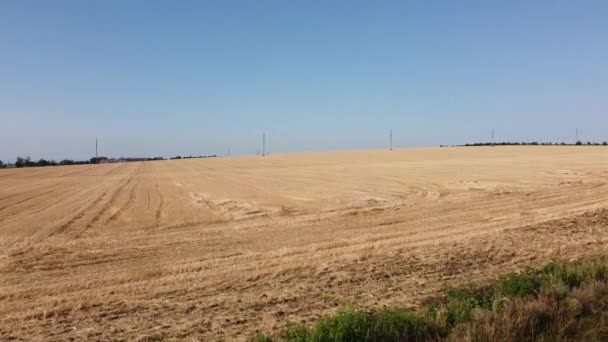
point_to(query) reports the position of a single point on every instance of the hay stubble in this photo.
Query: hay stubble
(204, 248)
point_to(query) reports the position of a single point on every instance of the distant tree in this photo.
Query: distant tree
(44, 162)
(97, 160)
(579, 142)
(23, 162)
(605, 143)
(1, 164)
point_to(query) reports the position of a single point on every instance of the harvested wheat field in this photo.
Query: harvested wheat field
(211, 249)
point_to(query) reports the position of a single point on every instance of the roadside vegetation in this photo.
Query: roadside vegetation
(560, 301)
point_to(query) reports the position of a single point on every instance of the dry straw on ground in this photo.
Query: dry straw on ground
(211, 248)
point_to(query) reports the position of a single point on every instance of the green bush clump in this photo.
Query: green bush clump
(575, 274)
(462, 301)
(518, 285)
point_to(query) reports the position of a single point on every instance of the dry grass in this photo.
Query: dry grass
(223, 247)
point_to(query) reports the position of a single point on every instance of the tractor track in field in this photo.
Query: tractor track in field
(128, 204)
(159, 210)
(108, 204)
(10, 196)
(27, 199)
(112, 200)
(81, 212)
(43, 208)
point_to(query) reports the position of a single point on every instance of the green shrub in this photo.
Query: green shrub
(462, 301)
(574, 274)
(296, 332)
(346, 325)
(357, 325)
(398, 324)
(518, 285)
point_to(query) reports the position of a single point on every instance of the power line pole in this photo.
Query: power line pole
(576, 136)
(390, 140)
(492, 136)
(263, 144)
(96, 155)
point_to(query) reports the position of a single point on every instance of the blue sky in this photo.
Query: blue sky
(176, 77)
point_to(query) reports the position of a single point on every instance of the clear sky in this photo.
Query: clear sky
(176, 77)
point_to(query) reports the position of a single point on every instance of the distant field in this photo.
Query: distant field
(221, 247)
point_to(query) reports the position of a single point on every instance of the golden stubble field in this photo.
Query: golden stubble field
(207, 249)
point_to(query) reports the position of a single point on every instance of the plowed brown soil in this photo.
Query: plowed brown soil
(208, 249)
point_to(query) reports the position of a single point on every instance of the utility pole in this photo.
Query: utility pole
(96, 156)
(390, 140)
(492, 137)
(576, 136)
(263, 144)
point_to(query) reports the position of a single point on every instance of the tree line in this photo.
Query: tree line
(192, 157)
(509, 143)
(28, 162)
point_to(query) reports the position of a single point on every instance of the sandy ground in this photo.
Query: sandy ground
(209, 249)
